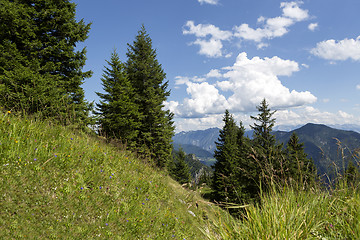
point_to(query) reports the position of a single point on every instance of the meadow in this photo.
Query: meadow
(60, 183)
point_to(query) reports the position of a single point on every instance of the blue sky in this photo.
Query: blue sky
(302, 56)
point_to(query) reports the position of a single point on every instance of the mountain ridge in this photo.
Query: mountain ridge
(321, 143)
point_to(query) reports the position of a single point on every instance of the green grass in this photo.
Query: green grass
(289, 214)
(57, 183)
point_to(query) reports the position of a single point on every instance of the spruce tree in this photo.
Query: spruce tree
(226, 152)
(148, 79)
(119, 115)
(266, 152)
(352, 175)
(179, 170)
(298, 166)
(246, 171)
(262, 131)
(40, 69)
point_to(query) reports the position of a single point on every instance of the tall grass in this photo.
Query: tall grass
(293, 212)
(59, 184)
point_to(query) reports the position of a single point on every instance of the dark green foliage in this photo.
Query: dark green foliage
(147, 77)
(178, 168)
(225, 154)
(235, 176)
(352, 175)
(267, 154)
(40, 71)
(299, 167)
(246, 167)
(119, 114)
(262, 136)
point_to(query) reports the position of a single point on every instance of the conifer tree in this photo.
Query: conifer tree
(179, 170)
(299, 167)
(119, 114)
(225, 154)
(267, 154)
(148, 79)
(40, 69)
(262, 132)
(352, 175)
(246, 172)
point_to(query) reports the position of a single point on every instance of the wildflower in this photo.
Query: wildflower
(71, 138)
(9, 112)
(35, 159)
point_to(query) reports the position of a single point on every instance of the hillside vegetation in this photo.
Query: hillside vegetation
(59, 184)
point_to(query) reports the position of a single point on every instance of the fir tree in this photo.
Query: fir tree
(226, 151)
(148, 79)
(246, 174)
(179, 170)
(262, 132)
(298, 166)
(119, 114)
(352, 175)
(40, 70)
(266, 153)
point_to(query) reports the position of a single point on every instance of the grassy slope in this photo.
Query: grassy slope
(57, 184)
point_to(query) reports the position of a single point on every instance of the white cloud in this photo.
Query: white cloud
(251, 80)
(273, 27)
(209, 38)
(179, 80)
(210, 48)
(338, 50)
(293, 117)
(248, 81)
(293, 11)
(212, 2)
(358, 87)
(310, 114)
(214, 73)
(313, 26)
(305, 65)
(204, 30)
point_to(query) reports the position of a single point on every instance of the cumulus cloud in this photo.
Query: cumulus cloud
(308, 114)
(290, 117)
(273, 27)
(214, 73)
(358, 87)
(251, 80)
(204, 99)
(313, 26)
(210, 38)
(293, 11)
(338, 50)
(247, 82)
(212, 2)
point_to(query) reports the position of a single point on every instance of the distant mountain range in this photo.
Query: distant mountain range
(321, 143)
